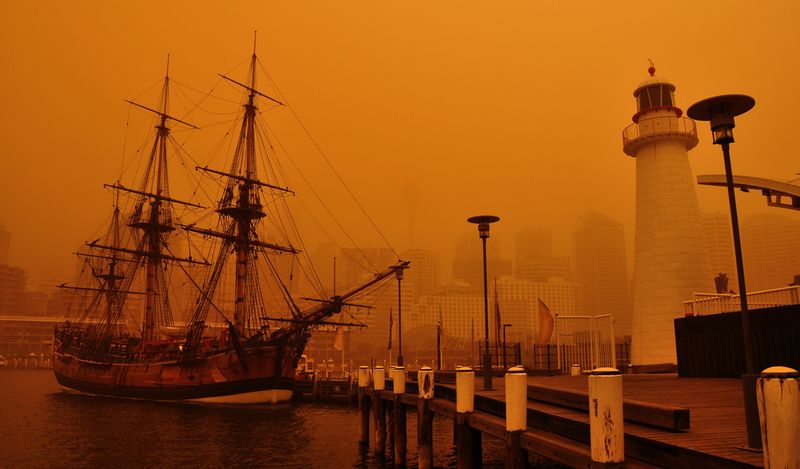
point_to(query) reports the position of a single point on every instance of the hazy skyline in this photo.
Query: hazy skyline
(514, 109)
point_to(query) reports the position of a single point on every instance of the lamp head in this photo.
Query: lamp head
(720, 111)
(483, 222)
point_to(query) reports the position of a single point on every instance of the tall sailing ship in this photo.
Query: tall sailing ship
(230, 347)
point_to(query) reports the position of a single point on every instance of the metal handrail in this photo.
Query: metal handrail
(710, 303)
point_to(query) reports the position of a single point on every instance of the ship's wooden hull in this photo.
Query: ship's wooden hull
(267, 376)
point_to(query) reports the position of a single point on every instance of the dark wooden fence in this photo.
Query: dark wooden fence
(713, 345)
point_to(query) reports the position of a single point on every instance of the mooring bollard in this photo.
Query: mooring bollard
(606, 426)
(425, 418)
(379, 384)
(399, 379)
(779, 412)
(516, 383)
(468, 440)
(363, 403)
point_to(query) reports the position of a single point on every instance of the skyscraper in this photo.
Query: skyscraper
(719, 242)
(602, 270)
(422, 277)
(534, 259)
(671, 262)
(771, 250)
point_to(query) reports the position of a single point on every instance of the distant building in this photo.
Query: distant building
(771, 251)
(422, 276)
(355, 266)
(12, 288)
(468, 261)
(34, 303)
(459, 314)
(602, 270)
(522, 299)
(719, 242)
(534, 259)
(461, 308)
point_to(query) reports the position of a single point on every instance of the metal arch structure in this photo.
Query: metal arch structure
(778, 194)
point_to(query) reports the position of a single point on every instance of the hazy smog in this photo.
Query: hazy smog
(430, 112)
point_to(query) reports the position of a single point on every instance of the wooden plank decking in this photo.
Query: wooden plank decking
(715, 437)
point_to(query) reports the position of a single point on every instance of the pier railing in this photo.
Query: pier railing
(714, 303)
(584, 343)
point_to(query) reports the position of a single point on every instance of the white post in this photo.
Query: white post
(469, 453)
(399, 380)
(516, 381)
(516, 399)
(465, 389)
(606, 428)
(363, 376)
(779, 413)
(379, 376)
(425, 382)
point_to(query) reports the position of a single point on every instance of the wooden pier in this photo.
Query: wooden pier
(669, 421)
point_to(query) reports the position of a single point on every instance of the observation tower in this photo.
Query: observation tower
(670, 259)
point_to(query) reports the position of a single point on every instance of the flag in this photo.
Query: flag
(546, 323)
(391, 320)
(338, 340)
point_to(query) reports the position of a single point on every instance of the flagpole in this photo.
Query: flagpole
(439, 342)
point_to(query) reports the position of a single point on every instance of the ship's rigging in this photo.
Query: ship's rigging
(133, 267)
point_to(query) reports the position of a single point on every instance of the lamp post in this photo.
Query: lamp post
(505, 365)
(483, 222)
(399, 275)
(720, 111)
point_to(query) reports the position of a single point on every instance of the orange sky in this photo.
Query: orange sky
(513, 108)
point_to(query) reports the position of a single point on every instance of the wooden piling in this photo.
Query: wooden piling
(315, 389)
(399, 432)
(425, 418)
(399, 388)
(468, 441)
(424, 434)
(379, 411)
(516, 456)
(469, 444)
(390, 428)
(363, 407)
(363, 404)
(379, 383)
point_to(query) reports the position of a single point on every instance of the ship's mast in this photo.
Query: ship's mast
(247, 210)
(158, 221)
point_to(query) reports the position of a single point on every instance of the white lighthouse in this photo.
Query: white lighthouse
(670, 259)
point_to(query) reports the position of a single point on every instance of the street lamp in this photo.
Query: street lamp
(505, 366)
(399, 275)
(720, 111)
(483, 222)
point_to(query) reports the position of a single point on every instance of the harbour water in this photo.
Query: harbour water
(41, 426)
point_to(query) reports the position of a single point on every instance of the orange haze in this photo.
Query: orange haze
(513, 108)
